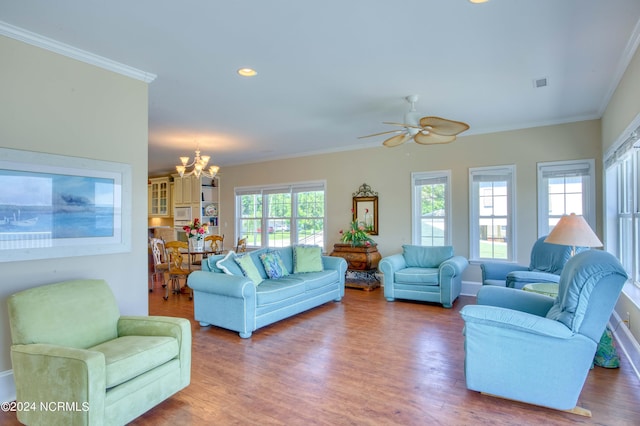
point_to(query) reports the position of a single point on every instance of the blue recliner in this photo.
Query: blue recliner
(428, 274)
(533, 348)
(547, 261)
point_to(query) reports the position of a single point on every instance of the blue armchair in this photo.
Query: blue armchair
(547, 261)
(536, 349)
(428, 274)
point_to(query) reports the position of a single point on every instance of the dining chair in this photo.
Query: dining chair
(241, 246)
(176, 251)
(214, 244)
(160, 261)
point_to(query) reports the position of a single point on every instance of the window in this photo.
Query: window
(431, 219)
(622, 205)
(565, 187)
(492, 201)
(279, 216)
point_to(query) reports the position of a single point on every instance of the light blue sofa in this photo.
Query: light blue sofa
(428, 274)
(234, 302)
(547, 261)
(536, 349)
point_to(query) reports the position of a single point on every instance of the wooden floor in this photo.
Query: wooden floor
(363, 361)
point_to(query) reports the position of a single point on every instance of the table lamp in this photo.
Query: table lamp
(572, 230)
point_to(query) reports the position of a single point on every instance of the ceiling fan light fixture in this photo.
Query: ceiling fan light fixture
(247, 72)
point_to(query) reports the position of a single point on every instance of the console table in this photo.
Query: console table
(362, 265)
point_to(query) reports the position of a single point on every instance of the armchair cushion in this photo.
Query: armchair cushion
(129, 356)
(417, 256)
(576, 288)
(428, 276)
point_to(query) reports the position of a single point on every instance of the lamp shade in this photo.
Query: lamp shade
(573, 230)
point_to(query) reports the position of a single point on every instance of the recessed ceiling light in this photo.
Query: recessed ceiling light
(478, 1)
(247, 72)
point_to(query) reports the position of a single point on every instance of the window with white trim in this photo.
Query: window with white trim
(622, 206)
(492, 212)
(431, 200)
(281, 215)
(565, 187)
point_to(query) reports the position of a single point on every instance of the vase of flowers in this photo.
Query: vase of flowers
(357, 248)
(196, 231)
(356, 234)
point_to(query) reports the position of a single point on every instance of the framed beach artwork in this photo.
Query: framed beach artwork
(57, 206)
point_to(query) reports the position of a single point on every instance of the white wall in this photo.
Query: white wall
(58, 105)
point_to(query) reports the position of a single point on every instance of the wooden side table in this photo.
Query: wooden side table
(362, 264)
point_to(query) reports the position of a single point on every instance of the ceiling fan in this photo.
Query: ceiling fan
(425, 130)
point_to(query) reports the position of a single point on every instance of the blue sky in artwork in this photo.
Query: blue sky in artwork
(45, 189)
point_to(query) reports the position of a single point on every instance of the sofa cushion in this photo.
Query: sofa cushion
(249, 269)
(273, 265)
(272, 291)
(307, 259)
(130, 356)
(428, 276)
(314, 280)
(426, 256)
(228, 264)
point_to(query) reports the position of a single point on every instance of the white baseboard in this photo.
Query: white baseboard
(626, 342)
(470, 288)
(7, 386)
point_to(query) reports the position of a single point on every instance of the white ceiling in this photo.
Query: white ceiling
(332, 70)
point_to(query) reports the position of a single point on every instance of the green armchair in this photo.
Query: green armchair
(71, 348)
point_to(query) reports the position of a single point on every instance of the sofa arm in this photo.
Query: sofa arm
(50, 374)
(511, 298)
(453, 266)
(499, 270)
(517, 279)
(390, 264)
(180, 328)
(220, 283)
(335, 263)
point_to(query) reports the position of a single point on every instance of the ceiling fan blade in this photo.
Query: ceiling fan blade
(381, 133)
(433, 138)
(443, 127)
(397, 140)
(409, 126)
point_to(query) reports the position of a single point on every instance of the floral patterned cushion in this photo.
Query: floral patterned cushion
(273, 265)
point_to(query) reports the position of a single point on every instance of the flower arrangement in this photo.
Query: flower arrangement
(196, 229)
(357, 235)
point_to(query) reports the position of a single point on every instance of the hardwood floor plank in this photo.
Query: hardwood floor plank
(363, 361)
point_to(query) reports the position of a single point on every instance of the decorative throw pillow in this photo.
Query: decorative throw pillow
(228, 264)
(249, 269)
(307, 259)
(273, 265)
(606, 354)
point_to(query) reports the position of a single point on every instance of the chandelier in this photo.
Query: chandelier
(199, 165)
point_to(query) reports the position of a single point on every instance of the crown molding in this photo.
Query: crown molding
(46, 43)
(623, 64)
